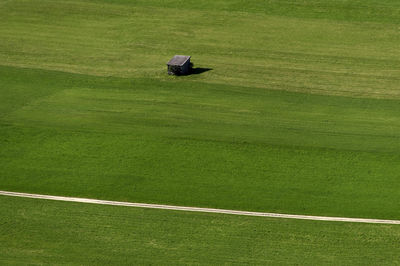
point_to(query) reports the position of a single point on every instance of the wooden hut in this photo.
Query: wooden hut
(179, 65)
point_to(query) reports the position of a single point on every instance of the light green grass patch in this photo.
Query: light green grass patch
(43, 232)
(282, 46)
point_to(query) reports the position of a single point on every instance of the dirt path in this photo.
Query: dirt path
(197, 209)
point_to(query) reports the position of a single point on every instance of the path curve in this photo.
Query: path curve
(197, 209)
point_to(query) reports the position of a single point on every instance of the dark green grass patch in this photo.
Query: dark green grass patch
(184, 143)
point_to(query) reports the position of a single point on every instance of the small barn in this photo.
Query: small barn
(179, 65)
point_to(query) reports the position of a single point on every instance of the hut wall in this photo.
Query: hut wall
(185, 68)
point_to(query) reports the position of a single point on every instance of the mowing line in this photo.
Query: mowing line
(197, 209)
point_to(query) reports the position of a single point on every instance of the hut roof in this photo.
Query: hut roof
(178, 60)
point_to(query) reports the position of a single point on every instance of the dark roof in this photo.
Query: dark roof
(178, 60)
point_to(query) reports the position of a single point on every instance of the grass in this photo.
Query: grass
(90, 234)
(182, 143)
(340, 48)
(298, 114)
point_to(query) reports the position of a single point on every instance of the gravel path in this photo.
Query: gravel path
(197, 209)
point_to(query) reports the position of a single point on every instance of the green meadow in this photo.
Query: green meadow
(185, 143)
(85, 234)
(294, 108)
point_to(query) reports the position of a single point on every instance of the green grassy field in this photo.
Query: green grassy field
(299, 114)
(89, 234)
